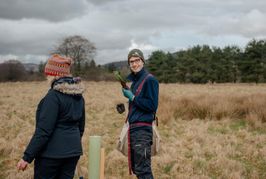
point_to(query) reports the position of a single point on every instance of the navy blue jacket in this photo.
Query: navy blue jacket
(60, 120)
(144, 105)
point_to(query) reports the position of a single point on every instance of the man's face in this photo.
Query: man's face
(136, 64)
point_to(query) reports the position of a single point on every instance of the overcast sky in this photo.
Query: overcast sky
(29, 29)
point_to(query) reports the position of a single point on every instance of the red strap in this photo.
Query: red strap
(129, 112)
(141, 85)
(141, 124)
(129, 152)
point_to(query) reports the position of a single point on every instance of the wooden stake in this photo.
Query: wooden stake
(102, 163)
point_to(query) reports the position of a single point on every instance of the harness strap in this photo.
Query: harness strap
(129, 152)
(141, 85)
(141, 124)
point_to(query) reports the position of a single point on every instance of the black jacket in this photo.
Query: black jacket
(60, 121)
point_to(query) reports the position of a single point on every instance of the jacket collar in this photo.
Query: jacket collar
(68, 85)
(135, 77)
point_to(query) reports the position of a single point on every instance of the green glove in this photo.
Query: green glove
(128, 94)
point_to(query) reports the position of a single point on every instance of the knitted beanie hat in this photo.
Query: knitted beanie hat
(135, 53)
(58, 66)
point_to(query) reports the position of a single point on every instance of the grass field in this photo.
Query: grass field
(208, 131)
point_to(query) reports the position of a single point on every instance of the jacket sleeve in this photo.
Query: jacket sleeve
(82, 123)
(148, 98)
(45, 124)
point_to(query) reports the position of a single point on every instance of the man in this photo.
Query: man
(143, 103)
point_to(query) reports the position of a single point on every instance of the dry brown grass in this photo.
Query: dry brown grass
(208, 131)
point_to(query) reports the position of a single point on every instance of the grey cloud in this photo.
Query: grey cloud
(26, 47)
(249, 24)
(50, 10)
(28, 37)
(101, 2)
(113, 24)
(111, 55)
(28, 58)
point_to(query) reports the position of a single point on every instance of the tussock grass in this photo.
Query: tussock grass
(208, 131)
(214, 105)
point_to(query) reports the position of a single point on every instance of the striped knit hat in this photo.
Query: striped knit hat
(58, 66)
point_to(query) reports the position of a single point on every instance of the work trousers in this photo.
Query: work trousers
(140, 144)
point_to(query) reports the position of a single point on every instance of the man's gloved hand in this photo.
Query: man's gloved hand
(128, 94)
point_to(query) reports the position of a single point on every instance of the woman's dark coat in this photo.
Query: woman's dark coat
(60, 121)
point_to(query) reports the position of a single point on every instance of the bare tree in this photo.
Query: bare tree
(12, 70)
(79, 48)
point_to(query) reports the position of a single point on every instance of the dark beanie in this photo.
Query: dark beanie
(135, 53)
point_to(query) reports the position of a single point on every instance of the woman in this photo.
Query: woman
(60, 119)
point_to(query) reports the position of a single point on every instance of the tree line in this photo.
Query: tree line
(198, 64)
(205, 64)
(14, 70)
